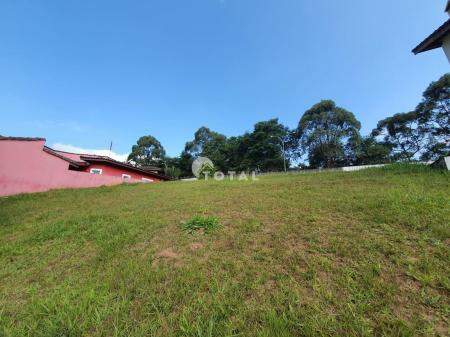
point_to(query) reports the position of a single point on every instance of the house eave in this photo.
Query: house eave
(435, 40)
(73, 163)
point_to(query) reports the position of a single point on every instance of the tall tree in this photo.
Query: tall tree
(423, 133)
(260, 149)
(328, 134)
(235, 154)
(185, 164)
(207, 143)
(265, 146)
(370, 152)
(148, 151)
(204, 141)
(403, 134)
(433, 114)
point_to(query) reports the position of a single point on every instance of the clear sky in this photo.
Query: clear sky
(83, 73)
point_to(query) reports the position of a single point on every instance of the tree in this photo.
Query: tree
(433, 114)
(328, 135)
(207, 143)
(403, 134)
(147, 152)
(235, 153)
(204, 141)
(264, 146)
(172, 167)
(185, 164)
(372, 152)
(261, 149)
(423, 133)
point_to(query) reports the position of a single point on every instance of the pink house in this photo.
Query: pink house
(27, 165)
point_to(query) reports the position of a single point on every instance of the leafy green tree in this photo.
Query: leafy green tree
(328, 135)
(433, 114)
(372, 152)
(260, 149)
(423, 133)
(147, 152)
(185, 164)
(207, 143)
(235, 154)
(264, 146)
(403, 134)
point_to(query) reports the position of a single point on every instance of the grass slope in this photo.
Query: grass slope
(330, 254)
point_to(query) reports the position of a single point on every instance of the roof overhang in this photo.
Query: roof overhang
(435, 40)
(110, 161)
(74, 163)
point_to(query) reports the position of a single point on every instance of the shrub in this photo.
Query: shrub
(200, 223)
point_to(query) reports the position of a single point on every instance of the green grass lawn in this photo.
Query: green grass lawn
(327, 254)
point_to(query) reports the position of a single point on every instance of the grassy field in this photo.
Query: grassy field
(327, 254)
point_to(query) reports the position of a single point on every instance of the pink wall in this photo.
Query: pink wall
(25, 167)
(118, 171)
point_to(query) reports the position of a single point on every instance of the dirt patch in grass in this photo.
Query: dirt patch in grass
(168, 256)
(196, 246)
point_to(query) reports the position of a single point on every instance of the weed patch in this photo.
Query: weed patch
(199, 223)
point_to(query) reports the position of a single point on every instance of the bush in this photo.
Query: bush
(200, 223)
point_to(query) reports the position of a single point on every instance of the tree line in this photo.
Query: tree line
(326, 136)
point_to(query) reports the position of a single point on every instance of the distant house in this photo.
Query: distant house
(27, 165)
(439, 38)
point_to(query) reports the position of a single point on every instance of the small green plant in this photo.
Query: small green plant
(206, 224)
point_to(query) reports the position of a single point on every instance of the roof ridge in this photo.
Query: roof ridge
(79, 154)
(27, 139)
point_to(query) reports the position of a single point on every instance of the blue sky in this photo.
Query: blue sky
(83, 73)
